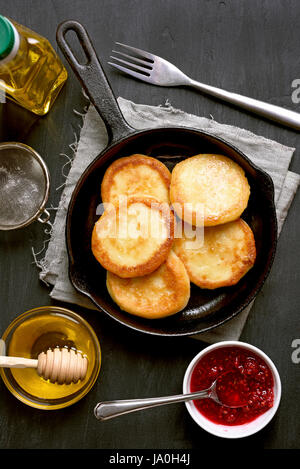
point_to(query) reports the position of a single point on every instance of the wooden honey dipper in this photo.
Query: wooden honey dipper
(61, 365)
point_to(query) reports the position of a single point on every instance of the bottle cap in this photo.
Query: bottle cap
(7, 37)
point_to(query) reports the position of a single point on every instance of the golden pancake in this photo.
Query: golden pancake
(222, 259)
(209, 189)
(162, 293)
(134, 238)
(136, 175)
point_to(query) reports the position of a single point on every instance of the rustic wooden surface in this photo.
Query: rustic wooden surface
(246, 47)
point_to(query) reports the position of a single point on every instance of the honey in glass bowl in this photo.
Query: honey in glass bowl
(36, 331)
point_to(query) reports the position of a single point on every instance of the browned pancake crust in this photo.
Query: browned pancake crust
(212, 182)
(159, 294)
(227, 254)
(127, 257)
(136, 175)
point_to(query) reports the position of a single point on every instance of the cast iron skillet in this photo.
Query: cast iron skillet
(206, 309)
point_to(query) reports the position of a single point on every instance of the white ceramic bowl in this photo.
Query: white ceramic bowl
(232, 431)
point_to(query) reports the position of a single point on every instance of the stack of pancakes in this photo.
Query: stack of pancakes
(149, 267)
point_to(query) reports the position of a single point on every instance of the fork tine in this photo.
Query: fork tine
(140, 52)
(136, 67)
(137, 60)
(137, 75)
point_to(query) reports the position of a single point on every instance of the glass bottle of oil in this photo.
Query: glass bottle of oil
(31, 73)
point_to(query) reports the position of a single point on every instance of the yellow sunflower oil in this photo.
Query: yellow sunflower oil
(31, 73)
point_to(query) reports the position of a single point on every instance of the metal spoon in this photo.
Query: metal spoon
(110, 409)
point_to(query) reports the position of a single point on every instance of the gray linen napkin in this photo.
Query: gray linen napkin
(271, 156)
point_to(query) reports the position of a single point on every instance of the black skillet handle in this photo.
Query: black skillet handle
(93, 80)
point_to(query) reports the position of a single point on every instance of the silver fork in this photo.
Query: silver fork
(158, 71)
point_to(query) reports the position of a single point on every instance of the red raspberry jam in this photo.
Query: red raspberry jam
(245, 379)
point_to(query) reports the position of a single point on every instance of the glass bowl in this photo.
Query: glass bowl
(34, 332)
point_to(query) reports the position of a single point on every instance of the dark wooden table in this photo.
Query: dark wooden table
(247, 47)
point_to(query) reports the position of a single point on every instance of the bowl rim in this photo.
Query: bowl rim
(215, 429)
(27, 314)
